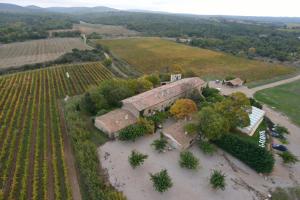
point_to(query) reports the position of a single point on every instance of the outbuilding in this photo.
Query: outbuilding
(178, 137)
(111, 123)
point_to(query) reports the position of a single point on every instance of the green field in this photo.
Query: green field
(149, 55)
(285, 98)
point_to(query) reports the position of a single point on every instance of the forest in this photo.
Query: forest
(250, 38)
(15, 27)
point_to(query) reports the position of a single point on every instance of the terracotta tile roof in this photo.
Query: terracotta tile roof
(163, 93)
(236, 81)
(177, 132)
(115, 120)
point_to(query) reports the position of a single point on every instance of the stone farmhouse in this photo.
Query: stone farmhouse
(146, 104)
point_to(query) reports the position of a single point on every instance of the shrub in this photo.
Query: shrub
(161, 181)
(188, 160)
(288, 157)
(248, 152)
(217, 180)
(255, 103)
(136, 159)
(206, 147)
(160, 144)
(282, 130)
(228, 78)
(132, 132)
(191, 128)
(147, 124)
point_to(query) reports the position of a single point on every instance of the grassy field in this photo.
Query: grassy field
(32, 156)
(285, 98)
(37, 51)
(149, 55)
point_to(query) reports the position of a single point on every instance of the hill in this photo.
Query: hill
(149, 55)
(6, 7)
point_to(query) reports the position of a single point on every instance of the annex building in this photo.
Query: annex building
(146, 104)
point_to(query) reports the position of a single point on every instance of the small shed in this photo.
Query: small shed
(114, 121)
(235, 82)
(256, 117)
(177, 137)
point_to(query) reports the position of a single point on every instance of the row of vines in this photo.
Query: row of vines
(32, 164)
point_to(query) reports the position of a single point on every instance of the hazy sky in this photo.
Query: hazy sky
(219, 7)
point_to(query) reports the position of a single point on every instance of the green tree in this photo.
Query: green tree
(107, 62)
(188, 160)
(191, 128)
(114, 91)
(160, 144)
(212, 124)
(288, 157)
(235, 109)
(217, 180)
(161, 181)
(136, 159)
(207, 147)
(154, 79)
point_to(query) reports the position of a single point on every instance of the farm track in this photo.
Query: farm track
(34, 163)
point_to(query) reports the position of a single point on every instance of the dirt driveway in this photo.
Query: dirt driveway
(242, 182)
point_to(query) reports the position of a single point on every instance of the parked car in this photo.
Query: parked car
(277, 135)
(279, 147)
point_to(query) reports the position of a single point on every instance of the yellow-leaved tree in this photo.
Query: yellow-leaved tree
(183, 108)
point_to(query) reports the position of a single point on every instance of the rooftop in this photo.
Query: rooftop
(116, 120)
(177, 132)
(162, 93)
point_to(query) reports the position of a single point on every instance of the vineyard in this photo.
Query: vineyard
(37, 51)
(32, 164)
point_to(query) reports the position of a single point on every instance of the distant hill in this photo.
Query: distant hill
(80, 10)
(6, 7)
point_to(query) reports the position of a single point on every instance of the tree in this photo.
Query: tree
(107, 62)
(154, 79)
(87, 104)
(212, 124)
(183, 108)
(161, 181)
(217, 180)
(114, 91)
(160, 144)
(288, 157)
(188, 160)
(191, 128)
(235, 109)
(206, 147)
(136, 159)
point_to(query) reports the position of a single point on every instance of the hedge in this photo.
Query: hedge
(132, 132)
(248, 152)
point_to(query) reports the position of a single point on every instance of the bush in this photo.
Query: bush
(160, 144)
(191, 128)
(188, 160)
(288, 157)
(161, 181)
(132, 132)
(255, 103)
(228, 78)
(217, 180)
(136, 159)
(282, 130)
(248, 152)
(206, 147)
